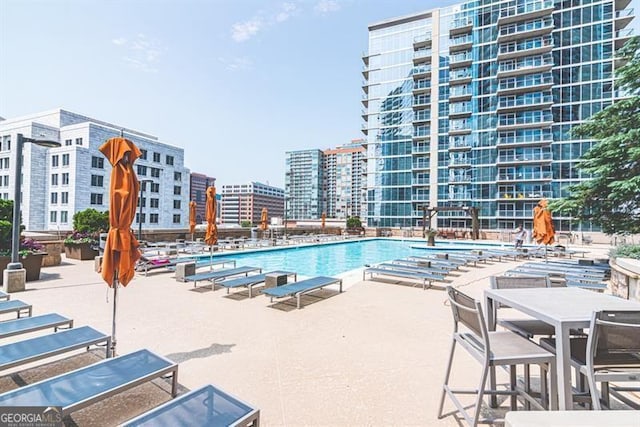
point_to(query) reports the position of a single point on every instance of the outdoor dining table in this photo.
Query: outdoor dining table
(564, 309)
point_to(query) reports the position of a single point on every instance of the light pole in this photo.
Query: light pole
(17, 195)
(142, 185)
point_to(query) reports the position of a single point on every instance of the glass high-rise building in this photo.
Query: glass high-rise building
(472, 105)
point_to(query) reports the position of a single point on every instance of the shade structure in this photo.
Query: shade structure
(121, 248)
(543, 230)
(211, 237)
(324, 218)
(192, 216)
(264, 219)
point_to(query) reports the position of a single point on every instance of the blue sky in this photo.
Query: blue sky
(235, 82)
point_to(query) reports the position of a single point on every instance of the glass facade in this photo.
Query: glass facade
(473, 105)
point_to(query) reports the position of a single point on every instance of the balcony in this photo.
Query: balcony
(524, 102)
(459, 127)
(517, 159)
(365, 86)
(513, 122)
(458, 43)
(422, 40)
(421, 55)
(460, 93)
(623, 18)
(364, 113)
(460, 110)
(421, 165)
(365, 128)
(460, 76)
(420, 133)
(536, 28)
(528, 83)
(525, 12)
(462, 195)
(421, 116)
(421, 86)
(524, 195)
(420, 148)
(524, 176)
(529, 65)
(460, 162)
(420, 182)
(421, 71)
(460, 179)
(421, 101)
(623, 36)
(460, 143)
(528, 140)
(461, 59)
(528, 47)
(515, 213)
(461, 25)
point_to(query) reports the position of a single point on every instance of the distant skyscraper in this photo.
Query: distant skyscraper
(303, 184)
(244, 202)
(198, 193)
(344, 174)
(473, 104)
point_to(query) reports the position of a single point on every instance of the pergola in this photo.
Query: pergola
(432, 210)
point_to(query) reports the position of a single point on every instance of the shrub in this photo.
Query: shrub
(91, 221)
(245, 224)
(626, 251)
(78, 238)
(354, 222)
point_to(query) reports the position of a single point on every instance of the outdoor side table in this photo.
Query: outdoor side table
(564, 309)
(275, 279)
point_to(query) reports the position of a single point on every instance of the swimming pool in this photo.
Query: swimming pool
(329, 259)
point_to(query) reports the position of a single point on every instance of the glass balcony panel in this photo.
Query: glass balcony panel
(525, 8)
(528, 44)
(523, 100)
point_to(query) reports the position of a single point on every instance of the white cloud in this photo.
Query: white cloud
(240, 63)
(142, 53)
(327, 6)
(243, 31)
(288, 10)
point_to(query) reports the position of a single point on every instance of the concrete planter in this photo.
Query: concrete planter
(625, 278)
(82, 251)
(32, 263)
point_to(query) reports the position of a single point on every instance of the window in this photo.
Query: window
(65, 160)
(53, 216)
(65, 197)
(142, 200)
(65, 179)
(64, 217)
(154, 203)
(142, 170)
(169, 160)
(97, 162)
(153, 218)
(78, 141)
(155, 172)
(54, 161)
(143, 154)
(176, 218)
(96, 199)
(177, 190)
(5, 181)
(97, 180)
(5, 163)
(138, 218)
(155, 187)
(54, 198)
(54, 179)
(68, 141)
(176, 204)
(156, 157)
(177, 176)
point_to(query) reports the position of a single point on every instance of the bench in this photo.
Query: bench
(425, 278)
(80, 388)
(221, 274)
(251, 281)
(30, 350)
(15, 306)
(298, 289)
(31, 324)
(206, 406)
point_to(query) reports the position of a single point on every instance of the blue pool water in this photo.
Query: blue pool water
(327, 260)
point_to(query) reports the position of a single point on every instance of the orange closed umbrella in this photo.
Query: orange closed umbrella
(121, 248)
(211, 237)
(263, 220)
(543, 230)
(324, 218)
(192, 217)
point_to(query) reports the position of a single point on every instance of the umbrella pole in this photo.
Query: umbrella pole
(211, 257)
(115, 310)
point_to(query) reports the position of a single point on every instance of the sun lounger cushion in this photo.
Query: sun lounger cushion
(206, 406)
(80, 388)
(31, 324)
(21, 352)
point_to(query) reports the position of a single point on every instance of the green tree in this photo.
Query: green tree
(91, 221)
(354, 222)
(245, 223)
(611, 198)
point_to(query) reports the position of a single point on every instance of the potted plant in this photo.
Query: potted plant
(31, 254)
(82, 244)
(354, 225)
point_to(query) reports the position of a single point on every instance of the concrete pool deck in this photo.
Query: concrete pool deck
(373, 355)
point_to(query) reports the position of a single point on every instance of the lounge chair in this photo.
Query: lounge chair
(426, 265)
(4, 296)
(206, 262)
(80, 388)
(16, 306)
(206, 406)
(146, 264)
(251, 281)
(425, 278)
(31, 324)
(30, 350)
(298, 289)
(213, 276)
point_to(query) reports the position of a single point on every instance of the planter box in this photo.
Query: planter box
(32, 263)
(82, 252)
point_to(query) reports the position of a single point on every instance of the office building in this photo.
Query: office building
(473, 104)
(244, 202)
(58, 182)
(344, 174)
(303, 184)
(198, 184)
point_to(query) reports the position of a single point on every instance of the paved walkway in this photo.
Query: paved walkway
(373, 355)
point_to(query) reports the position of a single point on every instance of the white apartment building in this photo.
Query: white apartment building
(344, 179)
(58, 182)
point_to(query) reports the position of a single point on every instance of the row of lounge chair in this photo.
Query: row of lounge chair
(93, 383)
(582, 274)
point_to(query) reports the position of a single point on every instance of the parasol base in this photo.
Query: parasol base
(14, 280)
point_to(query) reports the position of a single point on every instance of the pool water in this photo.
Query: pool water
(327, 260)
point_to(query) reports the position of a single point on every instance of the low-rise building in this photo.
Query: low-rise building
(244, 202)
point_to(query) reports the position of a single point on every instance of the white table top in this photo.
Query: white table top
(560, 305)
(573, 419)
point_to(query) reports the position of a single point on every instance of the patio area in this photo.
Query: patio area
(373, 355)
